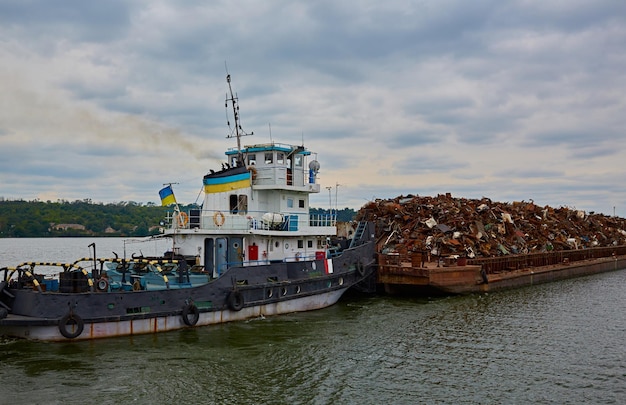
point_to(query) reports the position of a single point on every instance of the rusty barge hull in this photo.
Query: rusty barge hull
(428, 278)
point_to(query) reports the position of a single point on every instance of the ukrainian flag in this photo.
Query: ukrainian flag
(167, 196)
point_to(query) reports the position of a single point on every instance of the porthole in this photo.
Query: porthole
(286, 245)
(270, 292)
(284, 291)
(298, 289)
(340, 280)
(277, 244)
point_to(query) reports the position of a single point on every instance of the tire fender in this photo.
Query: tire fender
(191, 314)
(71, 325)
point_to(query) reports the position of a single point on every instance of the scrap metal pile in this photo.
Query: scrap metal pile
(444, 226)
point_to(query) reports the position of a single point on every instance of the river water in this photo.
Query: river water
(563, 342)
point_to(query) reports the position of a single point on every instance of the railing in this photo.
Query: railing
(323, 220)
(508, 263)
(307, 257)
(410, 262)
(213, 219)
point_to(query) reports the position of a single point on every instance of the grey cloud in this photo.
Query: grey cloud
(72, 19)
(480, 96)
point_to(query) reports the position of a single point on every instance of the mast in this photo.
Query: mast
(239, 132)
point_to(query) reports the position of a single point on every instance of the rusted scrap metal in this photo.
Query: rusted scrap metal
(445, 226)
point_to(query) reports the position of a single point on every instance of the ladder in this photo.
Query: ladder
(358, 234)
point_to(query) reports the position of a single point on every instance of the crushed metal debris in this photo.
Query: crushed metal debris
(449, 226)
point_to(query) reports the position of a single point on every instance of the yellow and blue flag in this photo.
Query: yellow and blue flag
(167, 196)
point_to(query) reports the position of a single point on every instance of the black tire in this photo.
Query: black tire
(235, 301)
(483, 275)
(360, 269)
(69, 322)
(3, 284)
(191, 309)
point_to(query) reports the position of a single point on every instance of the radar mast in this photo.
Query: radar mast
(239, 132)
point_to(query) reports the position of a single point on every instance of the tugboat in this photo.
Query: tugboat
(252, 249)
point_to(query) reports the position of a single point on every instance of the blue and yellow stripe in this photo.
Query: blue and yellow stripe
(227, 183)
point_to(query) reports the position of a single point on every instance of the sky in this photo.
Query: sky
(520, 100)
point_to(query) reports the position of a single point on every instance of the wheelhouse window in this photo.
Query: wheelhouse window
(252, 159)
(269, 158)
(280, 158)
(297, 160)
(238, 204)
(301, 203)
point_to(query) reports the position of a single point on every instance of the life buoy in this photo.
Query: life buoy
(252, 171)
(235, 300)
(219, 218)
(102, 284)
(191, 309)
(71, 325)
(183, 219)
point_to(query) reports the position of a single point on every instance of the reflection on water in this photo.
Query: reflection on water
(18, 250)
(559, 342)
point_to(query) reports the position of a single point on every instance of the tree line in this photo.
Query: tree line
(34, 219)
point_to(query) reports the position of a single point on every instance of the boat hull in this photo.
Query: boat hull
(240, 293)
(48, 330)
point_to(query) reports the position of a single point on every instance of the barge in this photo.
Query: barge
(402, 273)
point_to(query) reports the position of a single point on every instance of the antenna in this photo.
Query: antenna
(330, 201)
(239, 132)
(336, 188)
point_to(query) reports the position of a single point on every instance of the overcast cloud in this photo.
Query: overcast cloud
(511, 100)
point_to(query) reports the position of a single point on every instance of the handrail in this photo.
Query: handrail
(506, 263)
(516, 262)
(215, 219)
